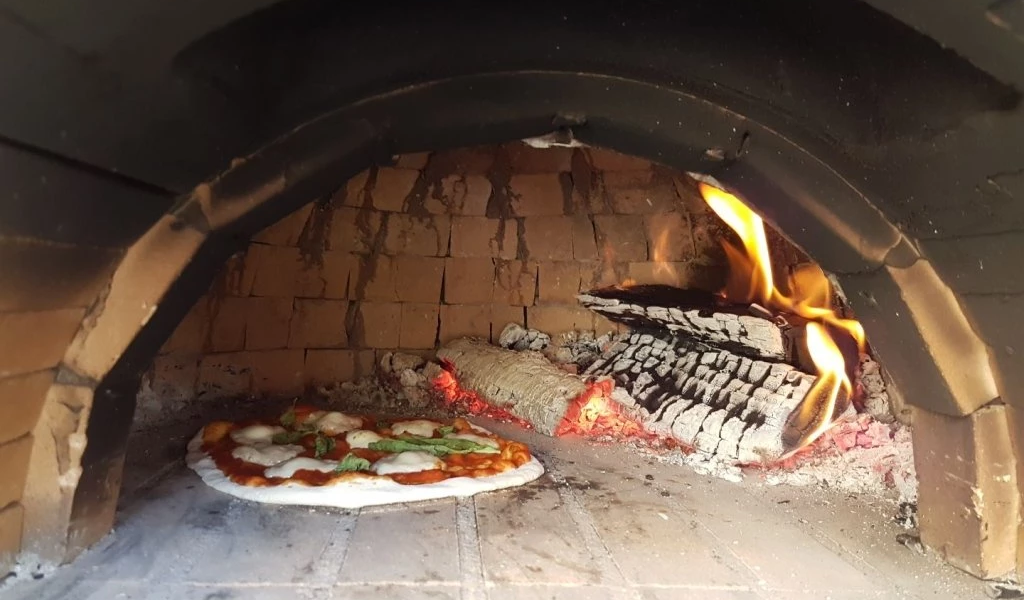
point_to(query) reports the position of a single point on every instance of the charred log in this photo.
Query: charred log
(524, 383)
(742, 330)
(717, 401)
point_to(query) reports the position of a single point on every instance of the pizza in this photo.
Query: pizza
(327, 458)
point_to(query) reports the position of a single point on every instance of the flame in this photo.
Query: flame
(809, 296)
(663, 269)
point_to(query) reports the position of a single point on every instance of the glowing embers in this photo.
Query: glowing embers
(464, 401)
(595, 414)
(751, 280)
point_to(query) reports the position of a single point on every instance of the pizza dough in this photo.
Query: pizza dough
(370, 487)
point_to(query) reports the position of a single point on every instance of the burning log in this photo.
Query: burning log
(740, 409)
(524, 383)
(694, 314)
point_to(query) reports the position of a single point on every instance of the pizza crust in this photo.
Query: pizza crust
(356, 493)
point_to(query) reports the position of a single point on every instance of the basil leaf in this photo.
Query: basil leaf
(351, 462)
(288, 418)
(323, 445)
(446, 430)
(437, 447)
(287, 437)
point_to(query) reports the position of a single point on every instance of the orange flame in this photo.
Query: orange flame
(810, 296)
(663, 269)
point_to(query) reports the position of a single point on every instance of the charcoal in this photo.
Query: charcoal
(733, 407)
(697, 315)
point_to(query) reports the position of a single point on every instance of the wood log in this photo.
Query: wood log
(524, 383)
(746, 330)
(719, 402)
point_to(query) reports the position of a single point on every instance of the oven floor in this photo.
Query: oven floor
(603, 522)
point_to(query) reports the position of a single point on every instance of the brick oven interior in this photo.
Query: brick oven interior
(427, 248)
(212, 213)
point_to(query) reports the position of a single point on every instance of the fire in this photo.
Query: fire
(809, 296)
(594, 414)
(454, 396)
(663, 269)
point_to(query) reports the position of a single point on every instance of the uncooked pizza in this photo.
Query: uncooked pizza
(327, 458)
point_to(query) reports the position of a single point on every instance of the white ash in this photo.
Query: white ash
(515, 337)
(27, 566)
(859, 455)
(701, 463)
(876, 396)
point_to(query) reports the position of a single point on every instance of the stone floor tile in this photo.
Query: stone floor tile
(699, 593)
(393, 592)
(404, 544)
(527, 536)
(556, 592)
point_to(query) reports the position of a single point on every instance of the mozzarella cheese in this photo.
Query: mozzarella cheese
(484, 441)
(420, 427)
(406, 462)
(289, 467)
(361, 438)
(256, 435)
(336, 423)
(266, 455)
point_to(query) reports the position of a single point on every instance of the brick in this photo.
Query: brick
(373, 278)
(968, 504)
(603, 274)
(392, 187)
(414, 160)
(149, 268)
(234, 279)
(708, 232)
(190, 334)
(419, 278)
(548, 238)
(637, 193)
(285, 232)
(419, 325)
(477, 160)
(21, 401)
(610, 160)
(515, 282)
(32, 341)
(423, 236)
(459, 195)
(603, 326)
(333, 366)
(38, 275)
(353, 193)
(483, 237)
(668, 237)
(465, 320)
(554, 319)
(666, 273)
(558, 282)
(227, 324)
(621, 238)
(174, 376)
(468, 280)
(527, 159)
(336, 270)
(11, 519)
(227, 374)
(584, 240)
(353, 230)
(267, 322)
(281, 272)
(14, 457)
(686, 188)
(278, 372)
(537, 195)
(318, 324)
(502, 315)
(379, 324)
